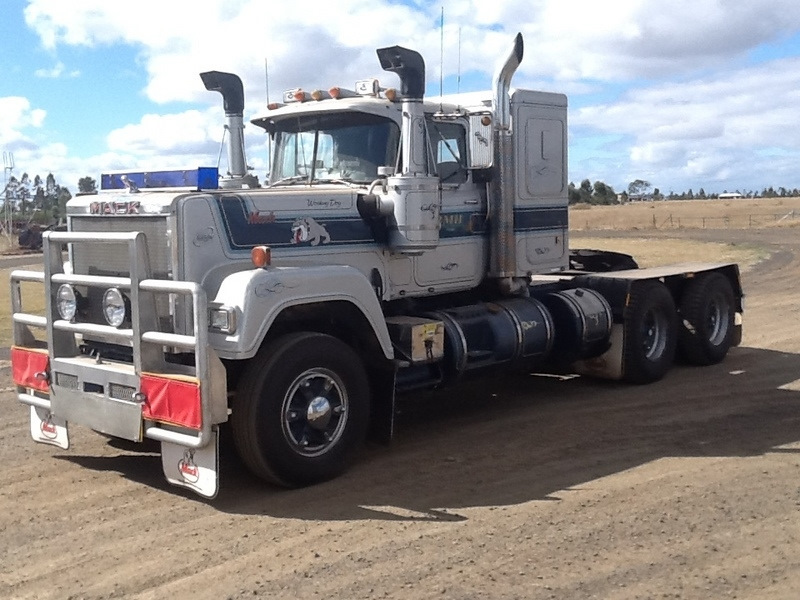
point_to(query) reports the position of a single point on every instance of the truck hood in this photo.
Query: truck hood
(124, 203)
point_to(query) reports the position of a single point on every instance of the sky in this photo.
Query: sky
(682, 94)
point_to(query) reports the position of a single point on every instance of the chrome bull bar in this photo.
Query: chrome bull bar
(143, 336)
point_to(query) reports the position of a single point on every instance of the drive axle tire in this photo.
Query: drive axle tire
(301, 409)
(650, 333)
(708, 312)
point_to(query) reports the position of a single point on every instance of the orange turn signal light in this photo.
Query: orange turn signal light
(261, 256)
(391, 94)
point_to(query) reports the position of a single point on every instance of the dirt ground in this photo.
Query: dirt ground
(507, 488)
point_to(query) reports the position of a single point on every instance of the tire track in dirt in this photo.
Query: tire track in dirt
(523, 487)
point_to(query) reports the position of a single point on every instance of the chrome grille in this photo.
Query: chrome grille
(121, 392)
(112, 259)
(66, 380)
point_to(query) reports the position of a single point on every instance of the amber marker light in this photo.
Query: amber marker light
(335, 92)
(390, 94)
(261, 256)
(486, 120)
(299, 95)
(316, 95)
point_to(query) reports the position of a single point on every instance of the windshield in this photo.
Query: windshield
(333, 147)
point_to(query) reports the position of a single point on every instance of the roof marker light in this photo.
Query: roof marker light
(317, 95)
(335, 92)
(299, 95)
(391, 94)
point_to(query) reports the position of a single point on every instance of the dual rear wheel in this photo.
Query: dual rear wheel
(700, 330)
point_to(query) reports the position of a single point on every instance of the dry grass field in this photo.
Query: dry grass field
(748, 213)
(656, 233)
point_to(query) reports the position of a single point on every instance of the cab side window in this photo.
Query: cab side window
(448, 145)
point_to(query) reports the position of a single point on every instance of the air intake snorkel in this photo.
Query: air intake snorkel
(412, 196)
(230, 86)
(410, 67)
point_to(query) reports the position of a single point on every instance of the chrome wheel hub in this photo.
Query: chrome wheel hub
(314, 412)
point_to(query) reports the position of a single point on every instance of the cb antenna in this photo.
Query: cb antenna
(441, 61)
(458, 80)
(269, 135)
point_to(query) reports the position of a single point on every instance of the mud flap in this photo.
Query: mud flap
(609, 364)
(194, 468)
(46, 428)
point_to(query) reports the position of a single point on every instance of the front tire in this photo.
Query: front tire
(650, 333)
(708, 313)
(302, 408)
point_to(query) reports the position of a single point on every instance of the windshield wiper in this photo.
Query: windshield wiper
(290, 180)
(346, 182)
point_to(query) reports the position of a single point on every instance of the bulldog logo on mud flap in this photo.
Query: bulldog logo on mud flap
(187, 467)
(307, 230)
(48, 428)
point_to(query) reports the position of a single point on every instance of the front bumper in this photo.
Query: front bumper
(149, 397)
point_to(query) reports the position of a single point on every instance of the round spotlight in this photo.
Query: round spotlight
(67, 302)
(114, 308)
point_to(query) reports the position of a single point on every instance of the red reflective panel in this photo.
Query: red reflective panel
(26, 364)
(172, 400)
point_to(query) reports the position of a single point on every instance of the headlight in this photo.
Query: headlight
(222, 319)
(66, 302)
(114, 307)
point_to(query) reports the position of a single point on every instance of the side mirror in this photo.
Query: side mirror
(481, 141)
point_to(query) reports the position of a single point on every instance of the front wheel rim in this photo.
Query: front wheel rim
(314, 412)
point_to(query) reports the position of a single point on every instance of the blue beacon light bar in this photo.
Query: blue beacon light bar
(202, 178)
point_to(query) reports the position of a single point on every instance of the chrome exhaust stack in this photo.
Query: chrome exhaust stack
(503, 257)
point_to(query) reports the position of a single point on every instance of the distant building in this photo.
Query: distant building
(730, 196)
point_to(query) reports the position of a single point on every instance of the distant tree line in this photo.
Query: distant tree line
(639, 189)
(29, 200)
(87, 185)
(588, 193)
(35, 200)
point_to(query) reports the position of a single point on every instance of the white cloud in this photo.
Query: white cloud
(16, 117)
(192, 138)
(718, 120)
(56, 71)
(708, 129)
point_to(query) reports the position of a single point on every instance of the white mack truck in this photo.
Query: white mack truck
(399, 244)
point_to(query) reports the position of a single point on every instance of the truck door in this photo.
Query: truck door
(458, 259)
